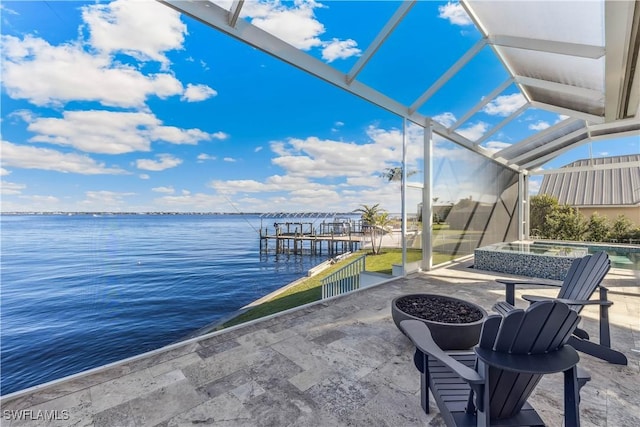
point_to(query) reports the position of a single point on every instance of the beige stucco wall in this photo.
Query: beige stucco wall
(633, 213)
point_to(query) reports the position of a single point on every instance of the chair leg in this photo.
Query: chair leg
(605, 335)
(424, 384)
(571, 398)
(483, 406)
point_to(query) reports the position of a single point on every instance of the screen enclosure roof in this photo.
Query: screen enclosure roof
(576, 59)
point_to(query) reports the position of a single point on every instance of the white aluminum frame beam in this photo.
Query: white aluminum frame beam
(502, 124)
(542, 160)
(382, 36)
(551, 46)
(559, 87)
(521, 206)
(484, 101)
(615, 125)
(622, 134)
(568, 112)
(444, 78)
(504, 153)
(588, 168)
(234, 14)
(619, 22)
(549, 146)
(427, 202)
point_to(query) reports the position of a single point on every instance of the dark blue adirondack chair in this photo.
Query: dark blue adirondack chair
(490, 386)
(583, 278)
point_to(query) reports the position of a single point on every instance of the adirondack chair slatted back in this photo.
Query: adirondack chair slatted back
(584, 276)
(544, 327)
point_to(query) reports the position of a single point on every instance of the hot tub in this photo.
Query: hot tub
(546, 261)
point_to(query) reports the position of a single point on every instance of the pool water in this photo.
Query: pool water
(625, 257)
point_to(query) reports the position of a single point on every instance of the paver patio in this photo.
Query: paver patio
(341, 362)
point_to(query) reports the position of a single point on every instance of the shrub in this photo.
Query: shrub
(621, 228)
(541, 205)
(565, 223)
(597, 228)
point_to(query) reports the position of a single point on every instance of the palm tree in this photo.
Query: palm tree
(395, 174)
(375, 219)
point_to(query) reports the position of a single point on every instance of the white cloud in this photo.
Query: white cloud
(474, 131)
(11, 188)
(144, 176)
(166, 190)
(43, 74)
(364, 181)
(144, 30)
(196, 93)
(229, 159)
(238, 185)
(28, 157)
(191, 202)
(274, 183)
(539, 125)
(318, 158)
(495, 146)
(455, 13)
(31, 203)
(202, 157)
(105, 200)
(258, 149)
(4, 172)
(296, 25)
(323, 158)
(220, 135)
(445, 119)
(328, 173)
(339, 49)
(534, 185)
(505, 105)
(165, 161)
(111, 132)
(5, 9)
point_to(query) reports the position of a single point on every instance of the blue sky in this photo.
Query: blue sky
(128, 106)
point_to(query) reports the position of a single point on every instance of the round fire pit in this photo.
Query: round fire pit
(455, 324)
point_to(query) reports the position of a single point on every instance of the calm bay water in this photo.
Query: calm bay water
(80, 291)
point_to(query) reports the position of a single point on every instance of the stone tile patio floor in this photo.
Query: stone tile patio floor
(341, 362)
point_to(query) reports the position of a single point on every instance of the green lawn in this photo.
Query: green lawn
(311, 289)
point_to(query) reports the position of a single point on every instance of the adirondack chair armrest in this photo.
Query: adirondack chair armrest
(510, 287)
(420, 335)
(536, 298)
(528, 282)
(545, 363)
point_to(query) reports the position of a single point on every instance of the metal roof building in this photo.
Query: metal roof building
(587, 184)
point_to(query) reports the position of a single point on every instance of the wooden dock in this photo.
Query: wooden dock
(304, 238)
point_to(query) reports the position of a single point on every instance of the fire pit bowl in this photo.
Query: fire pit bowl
(455, 324)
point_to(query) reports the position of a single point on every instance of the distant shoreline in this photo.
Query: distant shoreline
(269, 214)
(129, 213)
